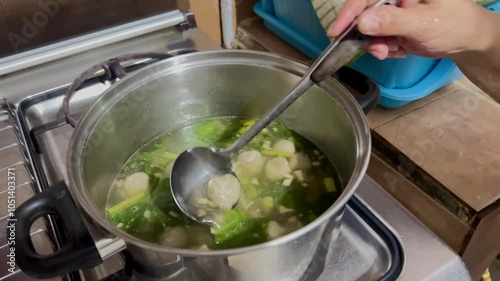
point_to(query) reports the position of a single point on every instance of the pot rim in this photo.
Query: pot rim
(87, 123)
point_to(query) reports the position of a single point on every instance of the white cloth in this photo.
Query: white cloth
(326, 10)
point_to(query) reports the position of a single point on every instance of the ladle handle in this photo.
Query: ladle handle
(269, 117)
(336, 55)
(339, 54)
(329, 62)
(340, 51)
(343, 49)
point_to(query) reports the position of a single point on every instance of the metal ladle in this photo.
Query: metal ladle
(195, 167)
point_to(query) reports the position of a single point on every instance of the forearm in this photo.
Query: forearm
(482, 67)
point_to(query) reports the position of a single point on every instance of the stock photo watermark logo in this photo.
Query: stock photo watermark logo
(11, 221)
(426, 146)
(122, 112)
(31, 26)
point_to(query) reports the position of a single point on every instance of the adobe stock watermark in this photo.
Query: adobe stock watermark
(425, 146)
(39, 19)
(11, 221)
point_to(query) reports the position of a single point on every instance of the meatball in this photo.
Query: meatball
(175, 237)
(300, 162)
(250, 163)
(224, 191)
(274, 230)
(277, 168)
(285, 146)
(136, 182)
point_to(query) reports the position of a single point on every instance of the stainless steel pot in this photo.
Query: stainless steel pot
(164, 96)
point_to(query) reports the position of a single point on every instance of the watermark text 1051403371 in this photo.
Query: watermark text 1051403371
(11, 221)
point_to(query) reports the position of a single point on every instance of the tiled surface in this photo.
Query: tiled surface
(484, 245)
(436, 217)
(379, 115)
(455, 139)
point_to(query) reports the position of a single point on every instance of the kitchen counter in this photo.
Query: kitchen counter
(438, 156)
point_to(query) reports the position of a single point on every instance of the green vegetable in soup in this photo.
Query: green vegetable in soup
(146, 214)
(238, 230)
(285, 181)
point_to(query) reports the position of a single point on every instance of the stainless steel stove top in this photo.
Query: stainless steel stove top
(379, 239)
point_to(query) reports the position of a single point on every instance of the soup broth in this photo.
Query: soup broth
(284, 182)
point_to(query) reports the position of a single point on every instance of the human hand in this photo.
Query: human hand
(430, 28)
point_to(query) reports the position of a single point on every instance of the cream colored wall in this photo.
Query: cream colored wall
(207, 13)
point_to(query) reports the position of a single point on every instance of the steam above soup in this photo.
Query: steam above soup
(283, 183)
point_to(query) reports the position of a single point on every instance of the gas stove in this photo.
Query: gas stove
(379, 239)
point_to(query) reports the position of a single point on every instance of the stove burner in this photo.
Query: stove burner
(126, 274)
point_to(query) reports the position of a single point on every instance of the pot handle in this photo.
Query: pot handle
(367, 92)
(113, 70)
(79, 250)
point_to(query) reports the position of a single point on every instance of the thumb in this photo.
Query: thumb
(392, 21)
